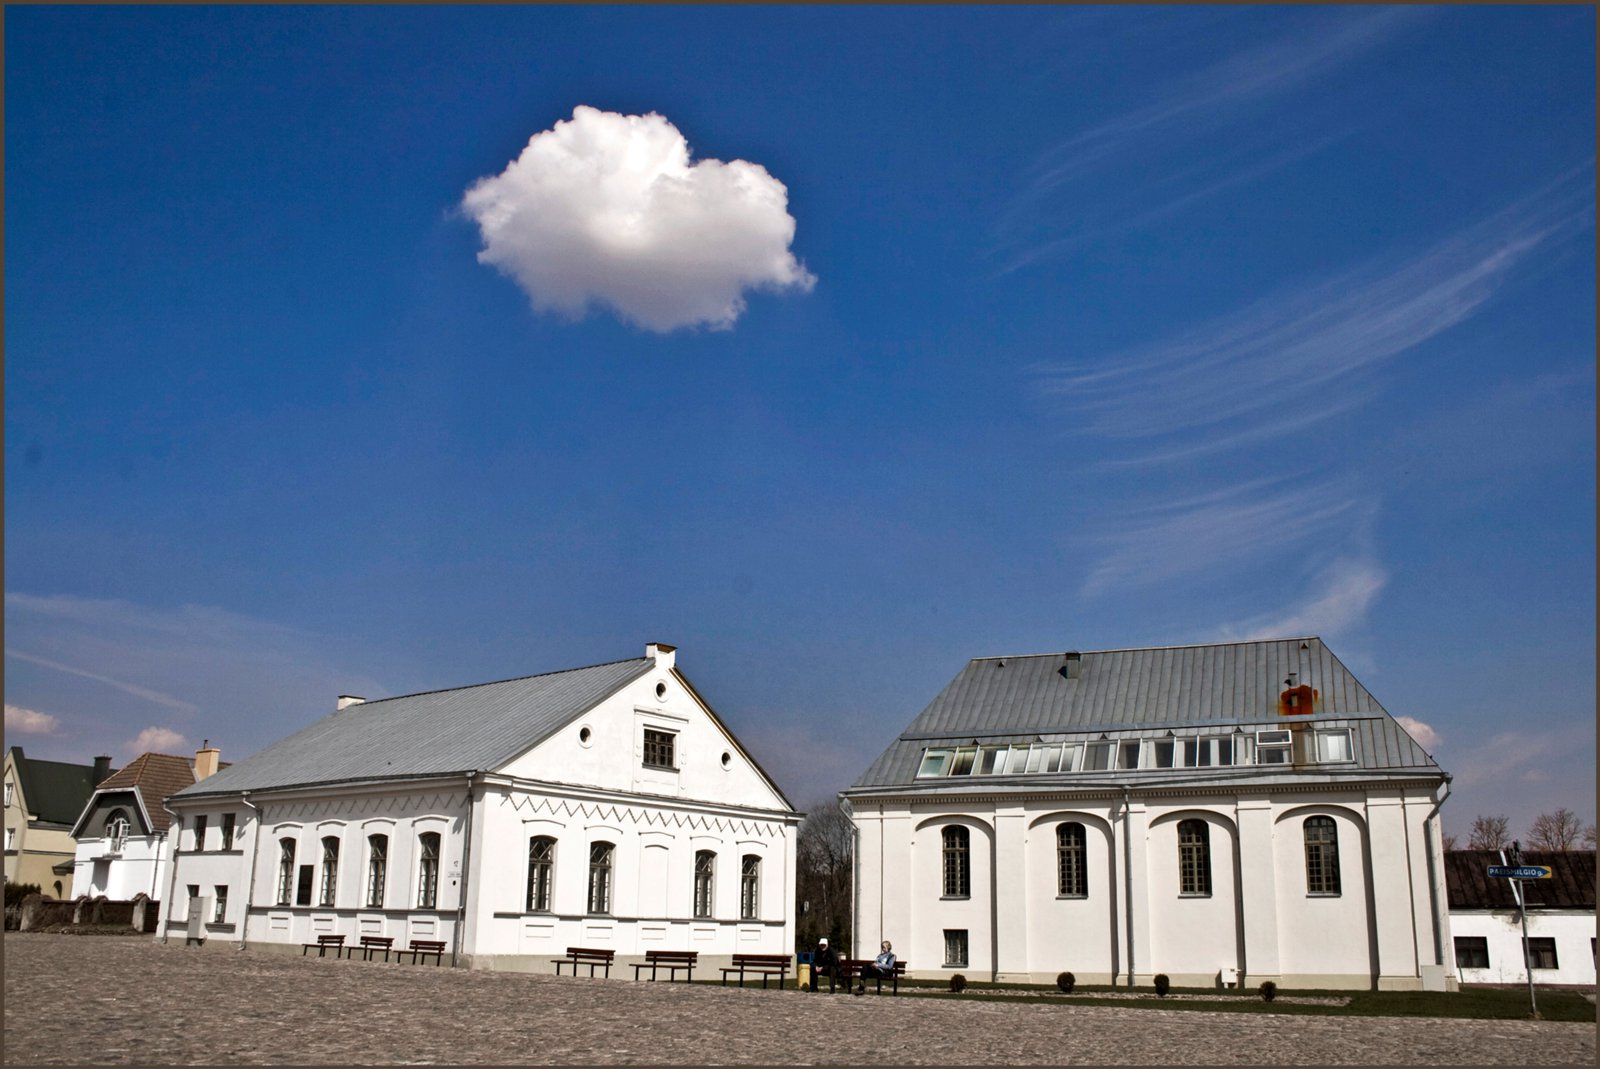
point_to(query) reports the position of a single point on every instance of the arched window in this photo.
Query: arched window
(1322, 856)
(285, 871)
(1072, 879)
(330, 871)
(117, 828)
(705, 867)
(957, 862)
(541, 863)
(1194, 858)
(749, 886)
(377, 869)
(600, 877)
(428, 870)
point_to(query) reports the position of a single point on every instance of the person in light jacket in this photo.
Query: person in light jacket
(882, 967)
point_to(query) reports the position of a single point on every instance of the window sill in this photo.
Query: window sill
(955, 898)
(1072, 898)
(1194, 894)
(218, 926)
(1324, 894)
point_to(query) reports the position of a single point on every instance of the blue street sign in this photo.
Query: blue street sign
(1521, 872)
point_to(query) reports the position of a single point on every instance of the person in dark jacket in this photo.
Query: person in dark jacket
(824, 961)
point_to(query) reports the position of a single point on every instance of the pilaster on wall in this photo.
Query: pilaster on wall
(1132, 833)
(1010, 922)
(1258, 891)
(1394, 919)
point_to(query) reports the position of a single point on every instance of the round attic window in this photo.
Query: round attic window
(661, 691)
(727, 759)
(584, 735)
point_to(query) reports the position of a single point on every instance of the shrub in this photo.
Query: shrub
(1065, 980)
(1162, 984)
(16, 892)
(958, 983)
(1269, 990)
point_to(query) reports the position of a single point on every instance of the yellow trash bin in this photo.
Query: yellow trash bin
(802, 976)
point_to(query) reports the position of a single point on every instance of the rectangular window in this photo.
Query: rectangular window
(991, 760)
(1334, 745)
(220, 911)
(428, 870)
(1472, 952)
(965, 757)
(1097, 757)
(285, 871)
(200, 832)
(330, 871)
(377, 869)
(1069, 757)
(658, 748)
(541, 864)
(11, 838)
(705, 867)
(955, 947)
(600, 878)
(1128, 754)
(227, 831)
(1162, 753)
(934, 763)
(749, 886)
(1542, 953)
(1272, 747)
(302, 890)
(8, 794)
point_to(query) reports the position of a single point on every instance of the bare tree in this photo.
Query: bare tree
(1556, 831)
(1449, 842)
(1588, 837)
(1489, 833)
(822, 877)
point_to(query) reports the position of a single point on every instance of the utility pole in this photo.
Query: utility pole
(1522, 912)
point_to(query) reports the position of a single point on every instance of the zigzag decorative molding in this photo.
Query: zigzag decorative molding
(360, 807)
(639, 815)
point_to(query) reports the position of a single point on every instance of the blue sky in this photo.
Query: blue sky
(899, 336)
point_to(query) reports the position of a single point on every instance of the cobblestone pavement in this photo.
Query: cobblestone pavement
(119, 1001)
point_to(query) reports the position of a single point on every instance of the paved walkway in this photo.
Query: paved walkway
(117, 1001)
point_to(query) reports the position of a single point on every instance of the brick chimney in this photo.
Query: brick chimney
(205, 761)
(664, 655)
(346, 701)
(102, 769)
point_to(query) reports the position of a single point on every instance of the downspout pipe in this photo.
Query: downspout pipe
(255, 856)
(1433, 873)
(1127, 878)
(175, 834)
(466, 871)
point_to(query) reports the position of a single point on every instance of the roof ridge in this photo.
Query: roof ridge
(496, 682)
(1147, 649)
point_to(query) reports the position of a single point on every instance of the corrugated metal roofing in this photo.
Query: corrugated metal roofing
(1468, 884)
(1182, 688)
(439, 732)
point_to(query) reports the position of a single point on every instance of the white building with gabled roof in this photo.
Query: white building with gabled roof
(1223, 814)
(606, 806)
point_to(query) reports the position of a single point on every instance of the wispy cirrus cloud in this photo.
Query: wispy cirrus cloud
(149, 695)
(1337, 601)
(1205, 532)
(1317, 341)
(1148, 162)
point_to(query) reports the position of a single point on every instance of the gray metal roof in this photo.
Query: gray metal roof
(1178, 688)
(463, 730)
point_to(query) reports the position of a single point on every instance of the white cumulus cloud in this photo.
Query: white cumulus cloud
(1426, 737)
(607, 209)
(157, 740)
(29, 721)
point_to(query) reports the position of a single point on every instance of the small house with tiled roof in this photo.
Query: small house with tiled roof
(1486, 927)
(607, 806)
(42, 799)
(121, 833)
(1224, 814)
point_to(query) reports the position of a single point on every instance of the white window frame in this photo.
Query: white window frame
(219, 912)
(1335, 738)
(1274, 741)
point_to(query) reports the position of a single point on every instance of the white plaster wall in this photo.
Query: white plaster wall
(1071, 934)
(611, 758)
(1320, 935)
(1573, 931)
(1190, 935)
(932, 913)
(652, 878)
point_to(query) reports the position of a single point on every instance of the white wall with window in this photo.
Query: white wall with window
(1487, 946)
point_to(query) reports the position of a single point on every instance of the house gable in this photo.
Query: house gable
(603, 747)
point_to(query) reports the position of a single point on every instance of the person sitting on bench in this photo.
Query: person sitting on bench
(882, 967)
(825, 961)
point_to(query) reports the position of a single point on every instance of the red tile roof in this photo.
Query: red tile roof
(155, 776)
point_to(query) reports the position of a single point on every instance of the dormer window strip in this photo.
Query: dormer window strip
(1143, 753)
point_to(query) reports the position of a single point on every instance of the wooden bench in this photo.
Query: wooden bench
(764, 965)
(369, 943)
(850, 969)
(423, 948)
(585, 956)
(671, 960)
(322, 944)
